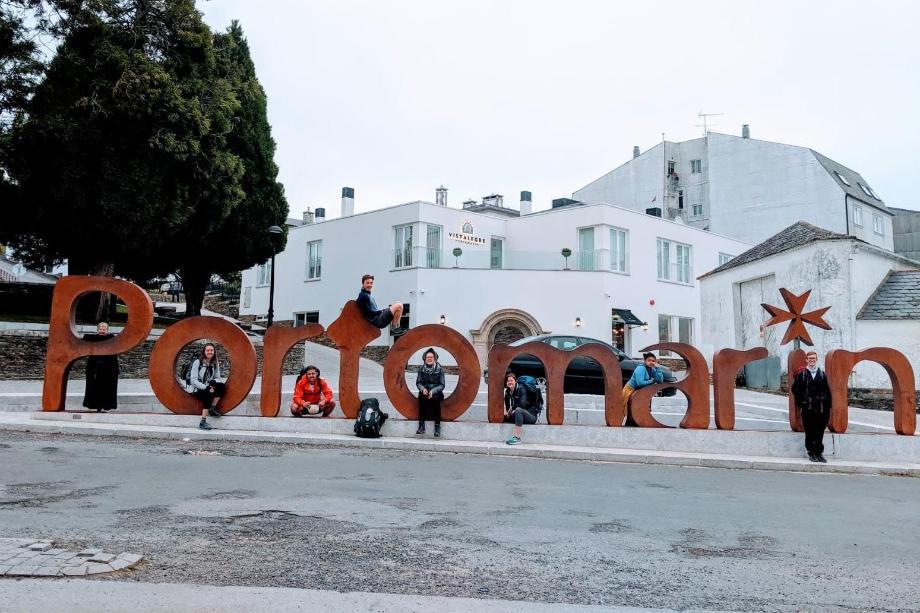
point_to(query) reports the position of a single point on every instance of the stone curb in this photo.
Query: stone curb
(499, 449)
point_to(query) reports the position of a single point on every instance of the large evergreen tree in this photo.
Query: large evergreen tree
(239, 239)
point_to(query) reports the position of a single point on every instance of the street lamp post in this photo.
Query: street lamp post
(274, 232)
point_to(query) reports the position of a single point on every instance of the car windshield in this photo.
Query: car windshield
(567, 343)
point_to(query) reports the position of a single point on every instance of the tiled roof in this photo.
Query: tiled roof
(853, 178)
(898, 297)
(798, 234)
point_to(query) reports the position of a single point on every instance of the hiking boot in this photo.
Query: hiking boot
(437, 430)
(213, 412)
(812, 457)
(204, 425)
(421, 428)
(514, 440)
(821, 458)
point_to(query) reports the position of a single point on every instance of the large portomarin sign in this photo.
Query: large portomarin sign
(351, 332)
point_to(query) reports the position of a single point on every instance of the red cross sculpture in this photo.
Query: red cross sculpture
(796, 318)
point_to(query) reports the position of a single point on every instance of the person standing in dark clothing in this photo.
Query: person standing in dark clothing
(812, 395)
(430, 384)
(101, 374)
(378, 317)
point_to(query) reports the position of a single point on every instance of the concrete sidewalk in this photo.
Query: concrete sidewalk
(91, 596)
(761, 450)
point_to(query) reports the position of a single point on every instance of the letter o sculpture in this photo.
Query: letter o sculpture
(166, 349)
(422, 337)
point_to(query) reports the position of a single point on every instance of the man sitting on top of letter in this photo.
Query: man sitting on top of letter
(378, 317)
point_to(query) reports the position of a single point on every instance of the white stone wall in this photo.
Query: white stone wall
(841, 274)
(468, 294)
(903, 335)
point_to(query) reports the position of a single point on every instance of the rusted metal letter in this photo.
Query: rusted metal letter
(278, 341)
(167, 348)
(435, 335)
(725, 366)
(351, 332)
(695, 387)
(64, 347)
(555, 361)
(839, 364)
(795, 362)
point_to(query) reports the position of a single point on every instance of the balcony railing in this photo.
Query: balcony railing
(484, 259)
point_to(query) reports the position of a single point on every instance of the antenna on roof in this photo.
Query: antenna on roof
(705, 125)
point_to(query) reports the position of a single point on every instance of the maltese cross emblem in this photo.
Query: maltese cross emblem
(795, 316)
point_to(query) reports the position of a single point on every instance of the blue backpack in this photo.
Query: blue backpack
(534, 395)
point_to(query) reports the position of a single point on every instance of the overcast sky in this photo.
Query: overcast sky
(396, 98)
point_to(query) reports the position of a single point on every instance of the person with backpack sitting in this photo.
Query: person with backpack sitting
(312, 395)
(644, 375)
(430, 384)
(203, 381)
(523, 403)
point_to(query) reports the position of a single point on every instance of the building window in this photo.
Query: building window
(670, 167)
(314, 259)
(404, 320)
(842, 178)
(264, 273)
(586, 248)
(402, 246)
(496, 251)
(878, 225)
(696, 166)
(674, 329)
(680, 199)
(619, 250)
(866, 190)
(247, 297)
(674, 263)
(857, 215)
(697, 209)
(725, 258)
(310, 317)
(433, 247)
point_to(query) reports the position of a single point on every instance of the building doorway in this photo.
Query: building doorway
(620, 332)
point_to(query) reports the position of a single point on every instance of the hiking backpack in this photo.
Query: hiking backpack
(370, 418)
(534, 395)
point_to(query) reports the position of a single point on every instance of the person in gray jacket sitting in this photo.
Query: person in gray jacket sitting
(205, 383)
(430, 384)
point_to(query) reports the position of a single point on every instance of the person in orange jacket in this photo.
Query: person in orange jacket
(312, 395)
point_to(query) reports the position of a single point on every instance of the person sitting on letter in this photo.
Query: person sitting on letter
(645, 374)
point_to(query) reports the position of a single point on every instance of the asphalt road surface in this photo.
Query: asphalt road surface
(243, 514)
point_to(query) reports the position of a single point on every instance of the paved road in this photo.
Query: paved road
(480, 527)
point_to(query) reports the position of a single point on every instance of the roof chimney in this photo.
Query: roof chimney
(635, 151)
(308, 216)
(745, 131)
(320, 214)
(440, 196)
(348, 201)
(526, 203)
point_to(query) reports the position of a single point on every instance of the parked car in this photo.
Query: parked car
(584, 375)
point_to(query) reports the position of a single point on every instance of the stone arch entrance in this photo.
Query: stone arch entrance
(503, 326)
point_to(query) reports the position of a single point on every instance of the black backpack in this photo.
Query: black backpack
(370, 419)
(187, 372)
(534, 395)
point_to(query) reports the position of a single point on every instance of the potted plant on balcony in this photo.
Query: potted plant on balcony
(457, 253)
(566, 252)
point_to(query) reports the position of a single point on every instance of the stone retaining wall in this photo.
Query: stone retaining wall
(22, 356)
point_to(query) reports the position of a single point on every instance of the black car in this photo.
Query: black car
(584, 375)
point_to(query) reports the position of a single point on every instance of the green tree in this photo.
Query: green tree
(239, 239)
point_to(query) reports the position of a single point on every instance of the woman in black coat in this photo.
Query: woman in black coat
(101, 374)
(430, 384)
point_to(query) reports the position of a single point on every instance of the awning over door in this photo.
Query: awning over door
(627, 317)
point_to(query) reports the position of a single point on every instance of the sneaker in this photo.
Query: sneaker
(513, 441)
(421, 429)
(821, 458)
(204, 425)
(399, 331)
(437, 430)
(812, 457)
(213, 412)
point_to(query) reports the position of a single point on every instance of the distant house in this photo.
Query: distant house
(874, 295)
(745, 188)
(16, 272)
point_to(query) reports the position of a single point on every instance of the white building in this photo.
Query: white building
(874, 297)
(745, 188)
(626, 268)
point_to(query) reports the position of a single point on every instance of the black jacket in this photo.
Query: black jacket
(367, 304)
(521, 398)
(812, 393)
(432, 381)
